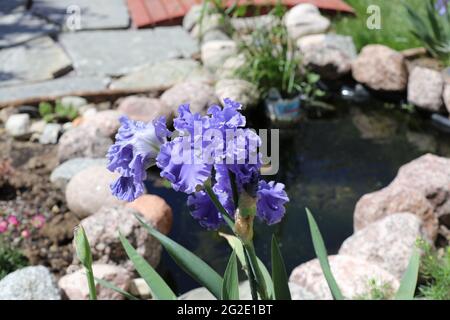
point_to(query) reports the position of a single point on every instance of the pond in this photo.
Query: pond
(327, 164)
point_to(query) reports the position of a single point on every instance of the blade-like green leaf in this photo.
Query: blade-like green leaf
(279, 275)
(230, 287)
(321, 253)
(160, 289)
(237, 246)
(111, 286)
(83, 250)
(189, 262)
(409, 279)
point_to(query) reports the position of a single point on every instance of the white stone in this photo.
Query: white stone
(29, 283)
(214, 53)
(50, 134)
(305, 19)
(18, 125)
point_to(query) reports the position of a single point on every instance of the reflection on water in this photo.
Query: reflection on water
(327, 165)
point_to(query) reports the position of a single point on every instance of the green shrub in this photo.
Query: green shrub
(10, 260)
(395, 28)
(435, 270)
(58, 113)
(432, 30)
(376, 291)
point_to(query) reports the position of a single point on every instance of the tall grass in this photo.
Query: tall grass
(395, 29)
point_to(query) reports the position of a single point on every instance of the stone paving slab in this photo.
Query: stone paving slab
(7, 6)
(115, 53)
(19, 27)
(50, 89)
(162, 75)
(38, 59)
(94, 14)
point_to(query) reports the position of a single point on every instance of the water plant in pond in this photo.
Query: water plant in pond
(271, 60)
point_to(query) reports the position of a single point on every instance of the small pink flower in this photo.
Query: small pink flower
(38, 221)
(12, 220)
(3, 226)
(25, 233)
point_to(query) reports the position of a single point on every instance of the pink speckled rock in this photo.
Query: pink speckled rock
(389, 242)
(352, 276)
(75, 286)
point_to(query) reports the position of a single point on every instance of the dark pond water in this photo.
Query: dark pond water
(327, 165)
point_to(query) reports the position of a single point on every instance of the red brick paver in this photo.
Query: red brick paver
(152, 12)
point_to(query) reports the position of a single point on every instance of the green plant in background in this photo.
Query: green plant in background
(11, 259)
(57, 113)
(432, 29)
(395, 29)
(435, 270)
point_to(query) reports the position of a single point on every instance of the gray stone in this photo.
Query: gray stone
(89, 190)
(18, 125)
(238, 90)
(62, 174)
(83, 141)
(30, 283)
(380, 68)
(191, 18)
(329, 55)
(389, 242)
(98, 14)
(197, 94)
(213, 35)
(446, 97)
(144, 109)
(352, 276)
(120, 52)
(52, 89)
(75, 286)
(305, 19)
(19, 27)
(12, 5)
(214, 53)
(74, 101)
(244, 25)
(102, 230)
(162, 75)
(209, 23)
(230, 67)
(38, 59)
(50, 134)
(425, 89)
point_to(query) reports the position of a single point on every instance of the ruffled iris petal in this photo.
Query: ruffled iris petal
(271, 198)
(204, 211)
